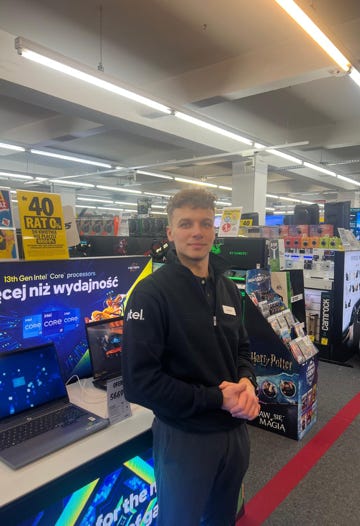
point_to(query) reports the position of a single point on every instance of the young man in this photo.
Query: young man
(186, 357)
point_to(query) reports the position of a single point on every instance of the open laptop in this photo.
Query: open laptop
(105, 340)
(36, 416)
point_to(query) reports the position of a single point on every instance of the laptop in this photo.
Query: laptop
(36, 415)
(105, 341)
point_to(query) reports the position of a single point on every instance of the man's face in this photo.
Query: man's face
(192, 231)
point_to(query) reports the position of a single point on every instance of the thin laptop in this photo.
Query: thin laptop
(105, 340)
(36, 416)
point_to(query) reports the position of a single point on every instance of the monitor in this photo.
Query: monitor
(242, 253)
(274, 220)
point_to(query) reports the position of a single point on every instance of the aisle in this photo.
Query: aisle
(315, 480)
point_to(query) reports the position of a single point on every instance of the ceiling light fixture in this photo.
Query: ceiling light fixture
(69, 158)
(85, 206)
(286, 156)
(95, 200)
(118, 189)
(11, 147)
(319, 169)
(55, 61)
(153, 174)
(212, 127)
(194, 181)
(225, 188)
(320, 38)
(314, 32)
(157, 195)
(348, 180)
(71, 183)
(223, 203)
(125, 203)
(15, 176)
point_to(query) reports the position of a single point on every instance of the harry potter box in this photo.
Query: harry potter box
(287, 389)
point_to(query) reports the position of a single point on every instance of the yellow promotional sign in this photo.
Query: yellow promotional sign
(42, 225)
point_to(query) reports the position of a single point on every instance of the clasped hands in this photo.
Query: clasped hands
(240, 399)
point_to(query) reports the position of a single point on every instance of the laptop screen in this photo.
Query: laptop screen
(29, 378)
(105, 339)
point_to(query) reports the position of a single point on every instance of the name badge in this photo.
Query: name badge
(229, 310)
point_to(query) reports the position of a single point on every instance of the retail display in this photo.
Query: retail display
(284, 356)
(42, 301)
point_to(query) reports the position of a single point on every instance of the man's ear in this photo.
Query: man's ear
(168, 233)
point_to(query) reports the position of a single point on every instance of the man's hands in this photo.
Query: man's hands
(240, 399)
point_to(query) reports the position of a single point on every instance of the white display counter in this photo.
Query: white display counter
(17, 484)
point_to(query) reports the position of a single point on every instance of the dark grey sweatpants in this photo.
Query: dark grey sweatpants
(198, 475)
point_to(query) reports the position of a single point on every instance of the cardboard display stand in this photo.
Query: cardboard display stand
(287, 389)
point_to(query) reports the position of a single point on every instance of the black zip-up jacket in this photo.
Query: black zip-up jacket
(177, 351)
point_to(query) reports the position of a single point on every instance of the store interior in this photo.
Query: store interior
(235, 87)
(235, 65)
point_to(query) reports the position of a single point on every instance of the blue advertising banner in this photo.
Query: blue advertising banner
(43, 301)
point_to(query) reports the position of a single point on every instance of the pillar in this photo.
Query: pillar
(249, 184)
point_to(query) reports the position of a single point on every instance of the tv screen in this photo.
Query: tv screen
(42, 301)
(274, 220)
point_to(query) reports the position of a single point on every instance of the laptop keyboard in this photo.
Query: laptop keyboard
(63, 417)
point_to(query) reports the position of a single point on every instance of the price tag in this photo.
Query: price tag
(118, 407)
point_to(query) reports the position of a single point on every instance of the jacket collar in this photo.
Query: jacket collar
(217, 263)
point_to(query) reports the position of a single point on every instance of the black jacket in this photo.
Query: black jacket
(175, 357)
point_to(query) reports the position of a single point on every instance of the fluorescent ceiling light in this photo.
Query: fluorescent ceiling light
(223, 203)
(157, 195)
(319, 169)
(270, 208)
(95, 200)
(194, 181)
(16, 176)
(211, 127)
(273, 196)
(225, 188)
(70, 158)
(355, 75)
(125, 203)
(85, 206)
(109, 208)
(286, 156)
(158, 206)
(118, 189)
(314, 32)
(348, 180)
(42, 56)
(71, 183)
(290, 199)
(11, 147)
(153, 174)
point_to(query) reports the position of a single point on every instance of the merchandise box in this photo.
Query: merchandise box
(287, 389)
(283, 230)
(321, 230)
(298, 230)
